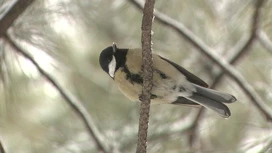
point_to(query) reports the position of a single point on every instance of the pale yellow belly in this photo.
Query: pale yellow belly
(131, 91)
(162, 88)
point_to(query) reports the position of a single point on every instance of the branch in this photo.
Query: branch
(245, 48)
(267, 146)
(193, 127)
(6, 21)
(239, 50)
(158, 132)
(264, 40)
(177, 27)
(9, 17)
(204, 49)
(2, 150)
(75, 104)
(147, 74)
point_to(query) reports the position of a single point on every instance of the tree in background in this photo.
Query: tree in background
(55, 98)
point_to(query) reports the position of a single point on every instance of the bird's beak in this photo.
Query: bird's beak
(114, 47)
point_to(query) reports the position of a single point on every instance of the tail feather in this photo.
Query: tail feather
(215, 95)
(185, 102)
(216, 106)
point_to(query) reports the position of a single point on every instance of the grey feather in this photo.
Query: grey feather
(214, 95)
(218, 107)
(183, 101)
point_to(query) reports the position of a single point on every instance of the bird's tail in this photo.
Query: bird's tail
(213, 100)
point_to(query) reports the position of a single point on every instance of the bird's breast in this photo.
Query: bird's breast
(164, 90)
(129, 84)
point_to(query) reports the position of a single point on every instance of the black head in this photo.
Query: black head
(107, 60)
(111, 58)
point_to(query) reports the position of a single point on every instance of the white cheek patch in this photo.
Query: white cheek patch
(112, 66)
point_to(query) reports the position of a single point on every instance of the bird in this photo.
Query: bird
(172, 84)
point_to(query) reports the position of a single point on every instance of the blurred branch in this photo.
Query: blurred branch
(240, 49)
(161, 131)
(147, 74)
(6, 20)
(75, 104)
(2, 150)
(234, 74)
(265, 41)
(245, 48)
(193, 128)
(16, 9)
(3, 67)
(181, 126)
(267, 147)
(177, 27)
(204, 49)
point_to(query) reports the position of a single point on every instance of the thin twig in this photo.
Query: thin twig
(204, 49)
(147, 74)
(9, 17)
(75, 104)
(265, 41)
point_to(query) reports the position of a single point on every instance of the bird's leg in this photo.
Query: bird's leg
(140, 97)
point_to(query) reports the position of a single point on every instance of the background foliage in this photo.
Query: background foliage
(66, 37)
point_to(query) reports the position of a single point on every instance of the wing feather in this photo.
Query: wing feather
(191, 77)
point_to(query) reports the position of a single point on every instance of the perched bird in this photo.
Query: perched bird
(172, 84)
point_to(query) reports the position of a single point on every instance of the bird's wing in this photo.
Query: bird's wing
(190, 77)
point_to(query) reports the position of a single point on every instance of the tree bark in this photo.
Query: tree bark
(147, 75)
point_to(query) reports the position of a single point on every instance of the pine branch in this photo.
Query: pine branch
(180, 126)
(75, 104)
(239, 52)
(246, 47)
(204, 49)
(9, 17)
(147, 74)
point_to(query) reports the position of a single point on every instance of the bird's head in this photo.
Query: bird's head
(107, 60)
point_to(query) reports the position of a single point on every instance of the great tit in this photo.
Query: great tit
(172, 84)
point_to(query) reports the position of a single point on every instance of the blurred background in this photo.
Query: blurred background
(65, 37)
